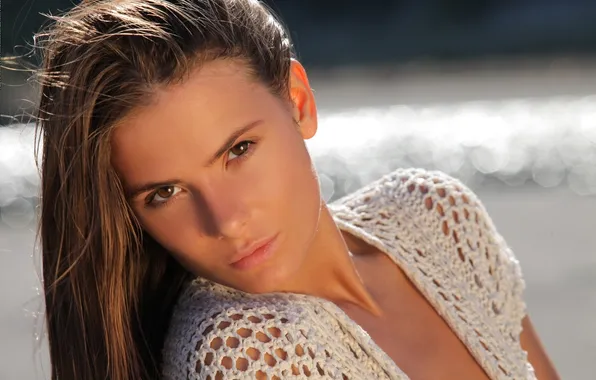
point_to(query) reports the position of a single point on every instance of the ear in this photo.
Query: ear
(303, 101)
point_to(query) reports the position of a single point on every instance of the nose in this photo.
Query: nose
(226, 214)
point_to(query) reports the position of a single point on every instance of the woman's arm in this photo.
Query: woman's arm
(543, 367)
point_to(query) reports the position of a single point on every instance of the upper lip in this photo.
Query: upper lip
(249, 249)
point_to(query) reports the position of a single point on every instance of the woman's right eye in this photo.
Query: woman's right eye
(162, 195)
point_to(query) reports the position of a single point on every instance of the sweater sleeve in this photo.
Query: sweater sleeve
(462, 228)
(253, 339)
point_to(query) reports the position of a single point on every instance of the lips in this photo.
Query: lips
(254, 253)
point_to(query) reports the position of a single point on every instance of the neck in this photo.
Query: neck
(329, 271)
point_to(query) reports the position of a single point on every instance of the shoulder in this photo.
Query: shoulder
(224, 334)
(451, 222)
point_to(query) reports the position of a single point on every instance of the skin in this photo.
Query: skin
(205, 210)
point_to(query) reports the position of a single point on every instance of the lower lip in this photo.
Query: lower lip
(257, 257)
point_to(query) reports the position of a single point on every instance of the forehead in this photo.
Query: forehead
(189, 120)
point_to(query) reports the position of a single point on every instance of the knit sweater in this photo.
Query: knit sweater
(433, 227)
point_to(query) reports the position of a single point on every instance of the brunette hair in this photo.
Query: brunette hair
(109, 288)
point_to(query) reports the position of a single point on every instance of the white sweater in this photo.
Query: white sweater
(433, 227)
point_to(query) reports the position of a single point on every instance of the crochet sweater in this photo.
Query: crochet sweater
(429, 224)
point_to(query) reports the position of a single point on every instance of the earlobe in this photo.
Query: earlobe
(304, 106)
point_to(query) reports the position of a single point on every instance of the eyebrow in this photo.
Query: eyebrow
(228, 144)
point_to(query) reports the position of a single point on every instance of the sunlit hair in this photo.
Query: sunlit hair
(109, 288)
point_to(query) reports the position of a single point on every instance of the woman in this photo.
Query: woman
(184, 235)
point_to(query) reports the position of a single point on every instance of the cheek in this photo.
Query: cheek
(171, 229)
(298, 187)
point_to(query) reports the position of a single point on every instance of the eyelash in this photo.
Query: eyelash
(236, 160)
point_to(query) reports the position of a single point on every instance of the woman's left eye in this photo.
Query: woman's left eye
(240, 149)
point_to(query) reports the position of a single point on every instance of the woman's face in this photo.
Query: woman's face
(217, 166)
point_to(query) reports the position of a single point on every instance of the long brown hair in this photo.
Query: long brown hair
(109, 288)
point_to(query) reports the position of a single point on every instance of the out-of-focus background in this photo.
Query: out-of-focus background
(498, 93)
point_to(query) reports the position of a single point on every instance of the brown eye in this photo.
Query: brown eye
(164, 193)
(240, 149)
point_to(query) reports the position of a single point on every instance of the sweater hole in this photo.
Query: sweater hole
(209, 358)
(236, 317)
(460, 253)
(295, 370)
(216, 343)
(268, 316)
(440, 210)
(262, 337)
(321, 372)
(477, 280)
(223, 325)
(306, 370)
(451, 200)
(445, 228)
(311, 353)
(428, 202)
(281, 354)
(455, 237)
(253, 353)
(226, 362)
(244, 332)
(232, 342)
(441, 191)
(241, 364)
(270, 360)
(274, 331)
(466, 214)
(423, 189)
(503, 370)
(299, 350)
(254, 319)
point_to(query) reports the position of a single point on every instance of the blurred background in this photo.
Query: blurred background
(498, 93)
